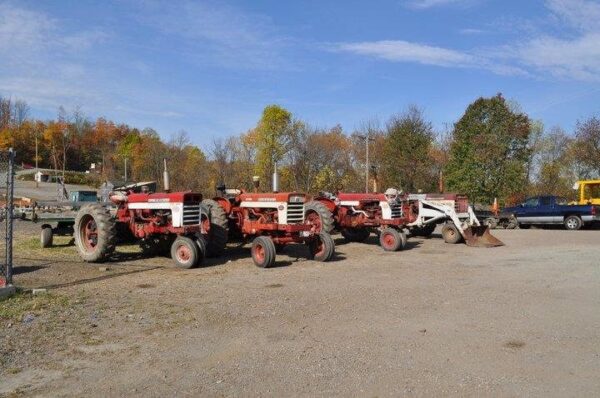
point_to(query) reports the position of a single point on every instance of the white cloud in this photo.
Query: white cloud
(216, 32)
(404, 51)
(424, 4)
(580, 14)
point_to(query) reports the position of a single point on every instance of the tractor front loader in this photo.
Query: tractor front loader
(458, 219)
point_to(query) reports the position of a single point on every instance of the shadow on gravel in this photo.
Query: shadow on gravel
(19, 270)
(96, 279)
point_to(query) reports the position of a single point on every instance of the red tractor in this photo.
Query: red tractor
(179, 223)
(356, 215)
(271, 221)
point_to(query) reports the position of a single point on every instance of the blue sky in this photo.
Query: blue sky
(209, 68)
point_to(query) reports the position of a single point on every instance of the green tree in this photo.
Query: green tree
(271, 138)
(407, 162)
(489, 153)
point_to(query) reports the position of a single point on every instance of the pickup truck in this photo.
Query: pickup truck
(548, 210)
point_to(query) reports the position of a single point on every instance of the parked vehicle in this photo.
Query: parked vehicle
(588, 192)
(551, 210)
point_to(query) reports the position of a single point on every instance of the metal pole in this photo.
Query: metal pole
(125, 169)
(9, 215)
(37, 170)
(367, 175)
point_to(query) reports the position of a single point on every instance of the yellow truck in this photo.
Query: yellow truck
(588, 192)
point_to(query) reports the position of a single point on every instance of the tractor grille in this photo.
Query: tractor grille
(191, 213)
(396, 210)
(295, 213)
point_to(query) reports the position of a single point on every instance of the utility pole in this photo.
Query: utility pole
(367, 139)
(37, 170)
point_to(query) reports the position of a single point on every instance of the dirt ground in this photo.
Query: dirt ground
(435, 320)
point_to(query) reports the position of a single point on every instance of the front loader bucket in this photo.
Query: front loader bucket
(479, 236)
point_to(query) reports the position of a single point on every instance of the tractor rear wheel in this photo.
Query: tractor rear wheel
(46, 236)
(451, 234)
(219, 228)
(318, 215)
(356, 234)
(392, 240)
(94, 233)
(322, 247)
(185, 252)
(263, 252)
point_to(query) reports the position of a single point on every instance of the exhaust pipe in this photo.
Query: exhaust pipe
(275, 182)
(166, 177)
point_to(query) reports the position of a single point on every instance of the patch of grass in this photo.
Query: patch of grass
(15, 307)
(30, 246)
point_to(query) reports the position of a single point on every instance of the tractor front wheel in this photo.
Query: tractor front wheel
(392, 240)
(94, 233)
(263, 252)
(185, 252)
(451, 234)
(322, 247)
(356, 234)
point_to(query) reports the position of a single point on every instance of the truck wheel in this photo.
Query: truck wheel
(185, 252)
(263, 252)
(46, 236)
(322, 247)
(451, 234)
(392, 240)
(317, 214)
(573, 223)
(219, 228)
(94, 233)
(355, 234)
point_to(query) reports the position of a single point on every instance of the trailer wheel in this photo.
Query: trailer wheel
(322, 247)
(219, 228)
(94, 233)
(185, 252)
(263, 252)
(573, 223)
(46, 236)
(451, 234)
(356, 234)
(318, 215)
(392, 240)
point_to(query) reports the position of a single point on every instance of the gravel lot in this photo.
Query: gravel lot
(435, 319)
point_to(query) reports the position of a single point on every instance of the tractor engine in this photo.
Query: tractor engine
(147, 214)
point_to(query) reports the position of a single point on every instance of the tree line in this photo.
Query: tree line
(493, 151)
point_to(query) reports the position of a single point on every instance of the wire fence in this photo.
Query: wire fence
(7, 179)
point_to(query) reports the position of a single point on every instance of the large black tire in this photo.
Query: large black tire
(263, 252)
(356, 234)
(573, 223)
(392, 240)
(185, 252)
(318, 214)
(321, 248)
(46, 236)
(451, 234)
(94, 233)
(219, 228)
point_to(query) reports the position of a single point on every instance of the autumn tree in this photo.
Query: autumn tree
(586, 148)
(407, 163)
(271, 138)
(489, 151)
